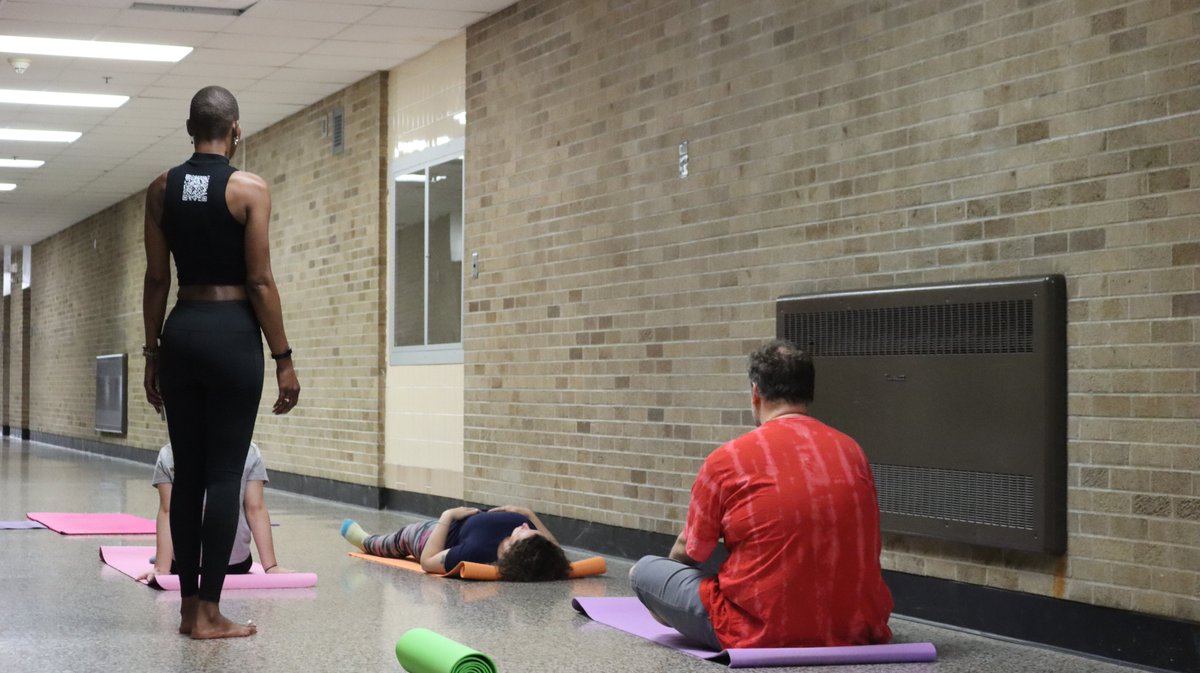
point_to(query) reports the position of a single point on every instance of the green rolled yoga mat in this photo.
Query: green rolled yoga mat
(423, 651)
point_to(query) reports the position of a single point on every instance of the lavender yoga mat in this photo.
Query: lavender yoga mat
(69, 523)
(629, 615)
(19, 525)
(133, 561)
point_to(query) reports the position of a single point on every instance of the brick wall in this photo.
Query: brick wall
(834, 145)
(16, 344)
(327, 258)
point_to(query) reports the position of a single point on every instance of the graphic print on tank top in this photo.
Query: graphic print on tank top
(195, 188)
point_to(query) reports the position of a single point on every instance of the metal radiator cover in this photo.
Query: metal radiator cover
(957, 394)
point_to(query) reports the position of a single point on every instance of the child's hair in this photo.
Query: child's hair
(534, 559)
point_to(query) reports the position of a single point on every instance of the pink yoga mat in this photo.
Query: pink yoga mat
(133, 561)
(630, 616)
(69, 523)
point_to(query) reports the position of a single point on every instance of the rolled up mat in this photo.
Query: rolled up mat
(423, 651)
(467, 570)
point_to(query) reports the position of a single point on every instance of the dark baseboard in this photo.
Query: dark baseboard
(95, 446)
(1120, 635)
(326, 489)
(7, 431)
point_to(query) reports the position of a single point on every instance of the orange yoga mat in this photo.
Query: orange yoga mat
(466, 570)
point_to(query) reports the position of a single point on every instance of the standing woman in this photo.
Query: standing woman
(206, 364)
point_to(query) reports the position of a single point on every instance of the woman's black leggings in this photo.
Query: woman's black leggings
(211, 379)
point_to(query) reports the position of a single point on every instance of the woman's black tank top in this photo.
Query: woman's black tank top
(208, 244)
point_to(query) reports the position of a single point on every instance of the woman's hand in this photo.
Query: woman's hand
(515, 509)
(151, 383)
(275, 569)
(148, 576)
(289, 387)
(459, 513)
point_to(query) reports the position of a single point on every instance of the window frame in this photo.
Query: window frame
(423, 354)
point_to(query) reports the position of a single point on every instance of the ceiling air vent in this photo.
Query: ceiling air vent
(216, 7)
(337, 123)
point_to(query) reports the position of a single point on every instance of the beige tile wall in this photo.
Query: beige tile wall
(834, 145)
(327, 255)
(424, 420)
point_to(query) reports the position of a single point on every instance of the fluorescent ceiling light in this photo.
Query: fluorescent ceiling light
(7, 186)
(54, 98)
(40, 136)
(411, 177)
(123, 51)
(21, 163)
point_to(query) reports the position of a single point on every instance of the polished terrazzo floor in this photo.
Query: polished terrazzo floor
(62, 610)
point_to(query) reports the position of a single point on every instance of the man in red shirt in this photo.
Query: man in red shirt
(794, 502)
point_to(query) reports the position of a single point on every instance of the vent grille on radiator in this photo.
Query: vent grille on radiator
(941, 329)
(990, 499)
(957, 394)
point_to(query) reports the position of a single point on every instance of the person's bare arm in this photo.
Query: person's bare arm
(157, 284)
(679, 551)
(250, 201)
(259, 520)
(528, 514)
(163, 549)
(433, 556)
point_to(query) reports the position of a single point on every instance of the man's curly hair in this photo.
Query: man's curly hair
(782, 372)
(534, 559)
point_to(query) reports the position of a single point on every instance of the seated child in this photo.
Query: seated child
(512, 537)
(254, 521)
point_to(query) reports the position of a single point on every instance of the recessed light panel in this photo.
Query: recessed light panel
(7, 186)
(56, 98)
(122, 51)
(39, 136)
(21, 163)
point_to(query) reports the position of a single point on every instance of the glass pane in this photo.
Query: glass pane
(409, 292)
(445, 252)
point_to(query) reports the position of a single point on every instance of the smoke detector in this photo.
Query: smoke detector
(20, 64)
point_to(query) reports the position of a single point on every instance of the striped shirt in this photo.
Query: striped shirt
(795, 503)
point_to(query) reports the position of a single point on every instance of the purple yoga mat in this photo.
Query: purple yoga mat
(629, 615)
(20, 525)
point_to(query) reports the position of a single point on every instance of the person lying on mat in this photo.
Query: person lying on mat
(794, 501)
(254, 521)
(512, 537)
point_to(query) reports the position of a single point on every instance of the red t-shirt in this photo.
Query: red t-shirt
(795, 502)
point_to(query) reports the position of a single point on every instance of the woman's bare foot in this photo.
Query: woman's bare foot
(210, 623)
(187, 614)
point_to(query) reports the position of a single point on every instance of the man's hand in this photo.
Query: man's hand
(679, 550)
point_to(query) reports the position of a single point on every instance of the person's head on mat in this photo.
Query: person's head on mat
(528, 556)
(511, 537)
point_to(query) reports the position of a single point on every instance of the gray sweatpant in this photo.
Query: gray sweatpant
(670, 590)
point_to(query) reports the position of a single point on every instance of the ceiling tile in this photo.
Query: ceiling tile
(280, 57)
